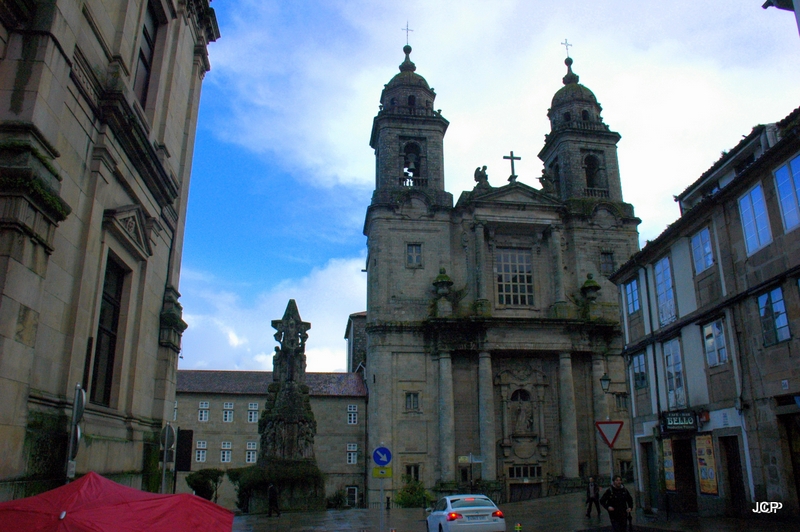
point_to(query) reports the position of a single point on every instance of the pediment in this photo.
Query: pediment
(129, 225)
(513, 194)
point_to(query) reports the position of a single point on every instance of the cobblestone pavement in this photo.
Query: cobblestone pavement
(563, 513)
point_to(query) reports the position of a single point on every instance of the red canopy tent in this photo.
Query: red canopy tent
(96, 504)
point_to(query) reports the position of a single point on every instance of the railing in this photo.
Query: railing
(595, 192)
(408, 181)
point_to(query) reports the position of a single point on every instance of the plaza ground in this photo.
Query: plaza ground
(562, 513)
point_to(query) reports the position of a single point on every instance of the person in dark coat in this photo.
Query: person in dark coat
(619, 503)
(272, 497)
(592, 497)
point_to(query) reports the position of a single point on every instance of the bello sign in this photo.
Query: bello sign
(677, 421)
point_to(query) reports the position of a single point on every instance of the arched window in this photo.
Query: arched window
(585, 115)
(412, 101)
(411, 153)
(567, 117)
(393, 102)
(521, 395)
(591, 166)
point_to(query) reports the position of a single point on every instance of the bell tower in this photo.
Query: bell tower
(407, 136)
(580, 152)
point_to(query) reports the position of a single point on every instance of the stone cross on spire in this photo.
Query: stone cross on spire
(406, 29)
(566, 45)
(513, 177)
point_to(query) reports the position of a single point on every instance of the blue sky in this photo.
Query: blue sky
(283, 172)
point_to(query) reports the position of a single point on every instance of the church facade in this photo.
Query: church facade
(490, 323)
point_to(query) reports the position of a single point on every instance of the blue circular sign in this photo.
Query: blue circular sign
(382, 456)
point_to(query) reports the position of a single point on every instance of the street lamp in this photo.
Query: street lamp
(605, 382)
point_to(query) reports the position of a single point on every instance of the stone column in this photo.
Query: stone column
(600, 402)
(447, 445)
(480, 282)
(486, 416)
(569, 420)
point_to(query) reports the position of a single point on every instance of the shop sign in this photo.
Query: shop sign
(669, 466)
(679, 421)
(706, 464)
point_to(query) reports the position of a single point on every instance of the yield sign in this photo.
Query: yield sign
(609, 430)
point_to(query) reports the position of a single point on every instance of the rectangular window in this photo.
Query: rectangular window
(252, 445)
(755, 222)
(412, 401)
(513, 268)
(227, 416)
(252, 416)
(701, 251)
(147, 48)
(107, 330)
(632, 296)
(412, 471)
(414, 255)
(202, 415)
(787, 181)
(201, 444)
(352, 418)
(622, 401)
(227, 406)
(774, 324)
(606, 263)
(203, 404)
(250, 457)
(639, 371)
(676, 393)
(226, 445)
(252, 406)
(352, 496)
(352, 453)
(714, 339)
(525, 471)
(200, 455)
(352, 408)
(225, 456)
(664, 294)
(175, 412)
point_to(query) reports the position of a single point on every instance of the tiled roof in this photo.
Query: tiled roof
(257, 382)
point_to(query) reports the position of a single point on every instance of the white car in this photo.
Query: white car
(466, 513)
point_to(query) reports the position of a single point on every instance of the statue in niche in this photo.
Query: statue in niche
(523, 419)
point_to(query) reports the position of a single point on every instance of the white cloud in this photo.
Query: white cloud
(227, 333)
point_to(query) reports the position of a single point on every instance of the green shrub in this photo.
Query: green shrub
(205, 482)
(413, 494)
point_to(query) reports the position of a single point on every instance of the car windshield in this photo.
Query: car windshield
(471, 502)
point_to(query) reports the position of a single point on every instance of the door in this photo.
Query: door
(734, 479)
(685, 498)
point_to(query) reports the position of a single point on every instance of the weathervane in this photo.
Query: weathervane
(565, 43)
(406, 29)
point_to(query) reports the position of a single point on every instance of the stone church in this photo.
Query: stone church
(490, 323)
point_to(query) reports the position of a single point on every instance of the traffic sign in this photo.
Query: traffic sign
(381, 472)
(382, 456)
(609, 431)
(167, 436)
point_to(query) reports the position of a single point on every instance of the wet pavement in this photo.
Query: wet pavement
(562, 513)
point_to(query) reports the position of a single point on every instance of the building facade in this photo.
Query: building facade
(710, 314)
(218, 413)
(491, 322)
(98, 108)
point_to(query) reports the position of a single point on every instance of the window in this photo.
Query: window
(639, 371)
(606, 263)
(714, 339)
(252, 406)
(664, 293)
(250, 457)
(622, 401)
(787, 180)
(227, 406)
(252, 416)
(200, 455)
(202, 415)
(772, 311)
(352, 414)
(525, 471)
(225, 456)
(147, 48)
(676, 393)
(414, 255)
(352, 496)
(352, 453)
(201, 444)
(514, 277)
(107, 330)
(412, 400)
(755, 222)
(227, 416)
(632, 296)
(412, 471)
(701, 251)
(252, 445)
(226, 445)
(203, 404)
(175, 412)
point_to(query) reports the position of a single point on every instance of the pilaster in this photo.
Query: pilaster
(569, 420)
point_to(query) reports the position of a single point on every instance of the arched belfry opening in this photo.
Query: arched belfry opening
(412, 166)
(596, 183)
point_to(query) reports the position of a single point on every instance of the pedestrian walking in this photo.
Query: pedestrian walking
(272, 497)
(592, 497)
(619, 503)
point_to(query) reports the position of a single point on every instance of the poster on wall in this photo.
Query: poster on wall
(706, 464)
(669, 466)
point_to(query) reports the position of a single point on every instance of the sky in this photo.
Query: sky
(283, 172)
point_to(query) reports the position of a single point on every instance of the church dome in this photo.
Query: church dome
(407, 76)
(572, 91)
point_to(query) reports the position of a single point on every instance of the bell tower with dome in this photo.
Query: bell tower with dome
(580, 152)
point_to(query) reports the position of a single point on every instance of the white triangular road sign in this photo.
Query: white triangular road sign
(609, 431)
